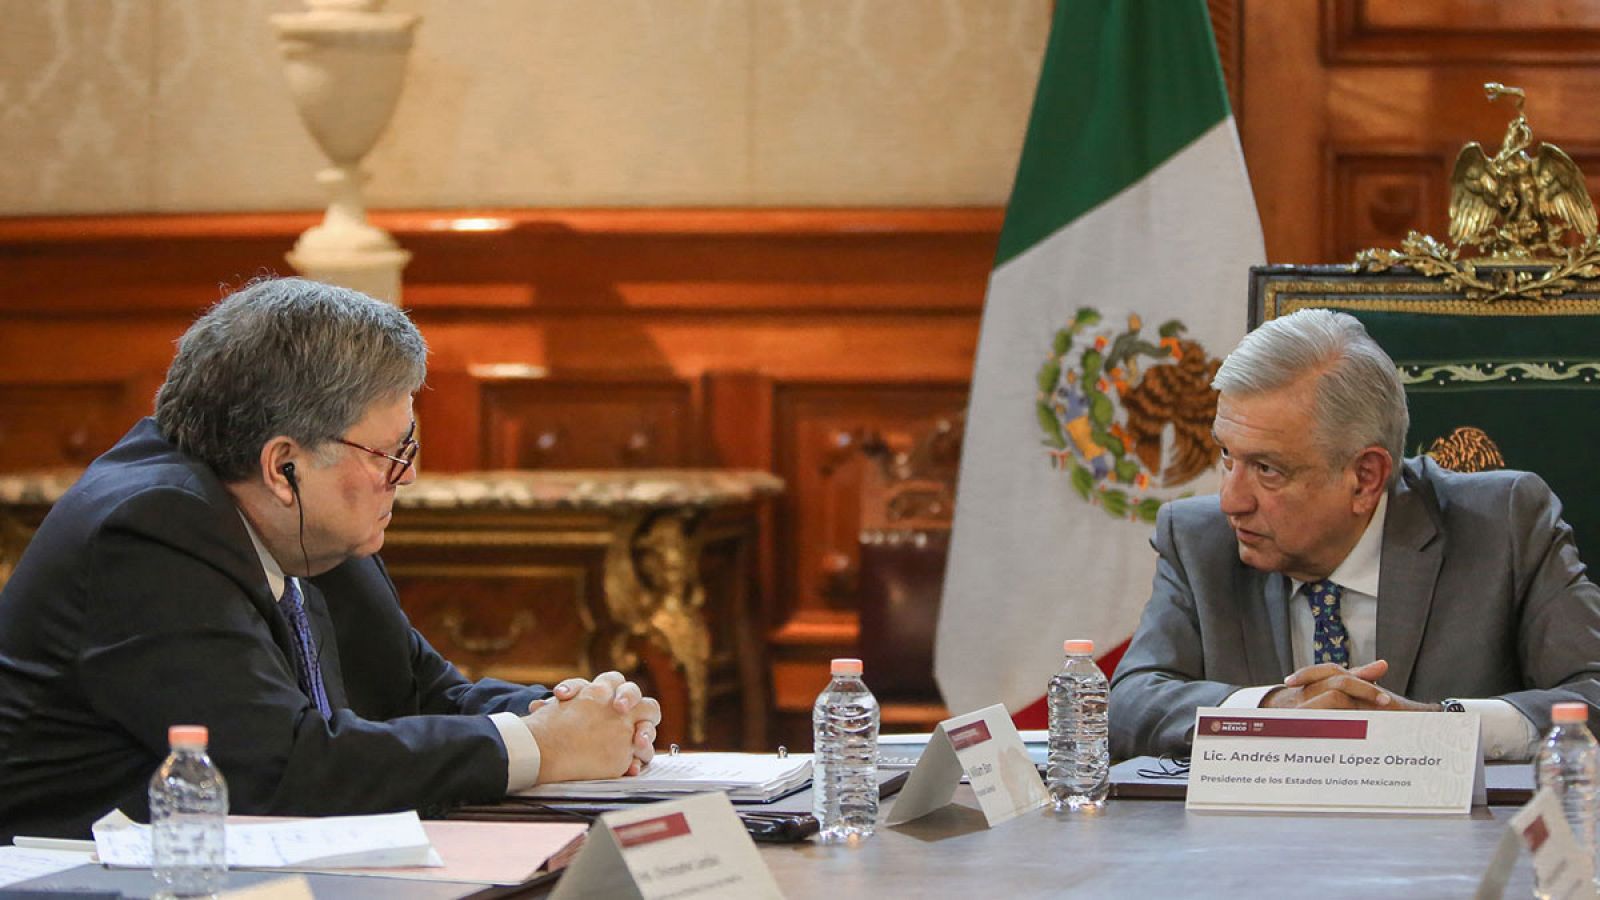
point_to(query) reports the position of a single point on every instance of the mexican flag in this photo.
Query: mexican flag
(1120, 282)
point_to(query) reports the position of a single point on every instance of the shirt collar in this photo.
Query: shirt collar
(1359, 570)
(275, 576)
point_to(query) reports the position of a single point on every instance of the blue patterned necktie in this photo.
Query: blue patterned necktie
(1330, 643)
(294, 609)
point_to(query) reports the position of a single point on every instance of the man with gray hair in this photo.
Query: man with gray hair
(218, 567)
(1329, 573)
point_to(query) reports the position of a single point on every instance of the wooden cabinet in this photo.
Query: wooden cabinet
(537, 577)
(597, 423)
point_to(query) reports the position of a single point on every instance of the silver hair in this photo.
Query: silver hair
(284, 356)
(1359, 400)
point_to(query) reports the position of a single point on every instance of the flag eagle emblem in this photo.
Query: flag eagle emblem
(1125, 416)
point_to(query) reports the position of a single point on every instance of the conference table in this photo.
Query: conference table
(1131, 848)
(1154, 848)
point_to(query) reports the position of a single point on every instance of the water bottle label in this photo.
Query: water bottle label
(984, 746)
(695, 847)
(1334, 761)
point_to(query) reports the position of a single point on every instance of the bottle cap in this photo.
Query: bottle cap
(1078, 646)
(190, 736)
(1569, 712)
(846, 667)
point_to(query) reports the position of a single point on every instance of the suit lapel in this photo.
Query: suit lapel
(327, 648)
(1413, 549)
(244, 566)
(1267, 615)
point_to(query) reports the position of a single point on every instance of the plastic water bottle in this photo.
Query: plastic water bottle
(1080, 761)
(844, 785)
(188, 814)
(1569, 764)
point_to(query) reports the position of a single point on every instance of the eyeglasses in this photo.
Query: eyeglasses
(398, 465)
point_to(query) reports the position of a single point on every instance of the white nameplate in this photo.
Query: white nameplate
(985, 746)
(694, 847)
(1334, 761)
(1562, 869)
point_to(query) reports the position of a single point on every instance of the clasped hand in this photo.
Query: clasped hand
(594, 729)
(1330, 686)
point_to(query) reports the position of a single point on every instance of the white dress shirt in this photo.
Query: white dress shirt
(522, 751)
(1506, 733)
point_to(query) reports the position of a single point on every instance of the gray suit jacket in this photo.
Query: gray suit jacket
(1481, 594)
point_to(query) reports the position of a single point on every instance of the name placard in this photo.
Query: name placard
(986, 748)
(1334, 761)
(690, 848)
(1564, 871)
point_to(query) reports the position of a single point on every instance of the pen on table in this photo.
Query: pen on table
(45, 843)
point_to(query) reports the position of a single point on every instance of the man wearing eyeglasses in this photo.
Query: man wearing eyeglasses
(1330, 573)
(218, 567)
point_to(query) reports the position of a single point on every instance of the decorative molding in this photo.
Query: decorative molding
(1512, 373)
(568, 262)
(1452, 32)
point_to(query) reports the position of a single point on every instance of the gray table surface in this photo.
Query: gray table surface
(1154, 848)
(1132, 848)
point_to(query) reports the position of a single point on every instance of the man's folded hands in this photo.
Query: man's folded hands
(1331, 686)
(594, 729)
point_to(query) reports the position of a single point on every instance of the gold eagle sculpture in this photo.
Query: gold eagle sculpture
(1536, 198)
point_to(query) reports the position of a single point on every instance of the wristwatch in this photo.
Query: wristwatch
(1450, 704)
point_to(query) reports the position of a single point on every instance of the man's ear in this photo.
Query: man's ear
(1372, 468)
(276, 453)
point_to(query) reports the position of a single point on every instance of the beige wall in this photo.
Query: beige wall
(180, 105)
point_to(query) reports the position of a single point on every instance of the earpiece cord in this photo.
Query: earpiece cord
(300, 507)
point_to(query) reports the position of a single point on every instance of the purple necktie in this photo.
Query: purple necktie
(1331, 642)
(294, 608)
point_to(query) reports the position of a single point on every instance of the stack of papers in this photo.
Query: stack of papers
(25, 864)
(396, 839)
(744, 777)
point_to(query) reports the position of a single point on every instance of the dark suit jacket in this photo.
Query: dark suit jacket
(141, 603)
(1480, 594)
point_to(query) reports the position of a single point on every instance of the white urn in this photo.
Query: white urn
(346, 64)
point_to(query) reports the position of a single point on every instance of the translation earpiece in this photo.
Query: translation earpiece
(288, 472)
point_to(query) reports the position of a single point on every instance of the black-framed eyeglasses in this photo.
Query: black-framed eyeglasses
(398, 464)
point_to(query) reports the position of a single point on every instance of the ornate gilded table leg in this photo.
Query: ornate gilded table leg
(653, 591)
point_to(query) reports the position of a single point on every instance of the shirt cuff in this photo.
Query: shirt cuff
(1250, 697)
(522, 751)
(1504, 732)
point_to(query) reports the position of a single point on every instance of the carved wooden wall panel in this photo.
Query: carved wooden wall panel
(588, 424)
(51, 425)
(1353, 110)
(1379, 197)
(1544, 32)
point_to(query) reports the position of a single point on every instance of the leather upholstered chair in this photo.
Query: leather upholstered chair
(907, 500)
